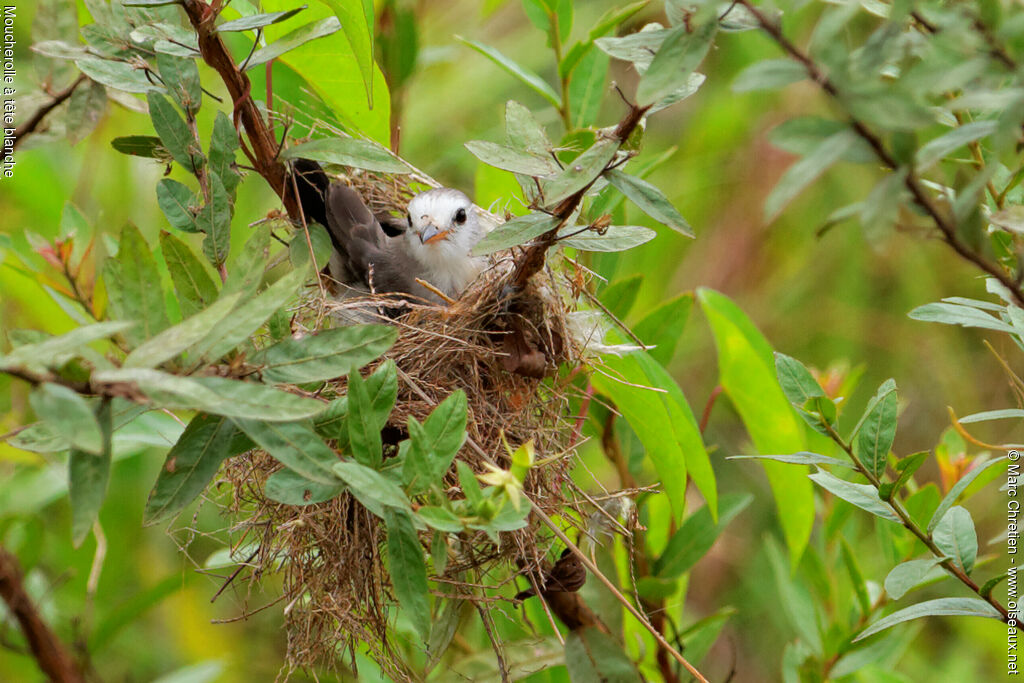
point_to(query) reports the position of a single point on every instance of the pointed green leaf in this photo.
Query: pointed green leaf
(863, 496)
(435, 443)
(942, 607)
(956, 537)
(513, 159)
(223, 143)
(295, 445)
(515, 232)
(56, 351)
(804, 172)
(192, 283)
(650, 200)
(174, 132)
(191, 465)
(68, 414)
(532, 80)
(370, 487)
(769, 74)
(679, 55)
(523, 130)
(354, 152)
(255, 21)
(796, 380)
(133, 287)
(326, 354)
(695, 537)
(408, 569)
(580, 173)
(179, 204)
(181, 77)
(215, 220)
(663, 327)
(878, 431)
(88, 475)
(176, 339)
(903, 577)
(293, 39)
(615, 238)
(291, 488)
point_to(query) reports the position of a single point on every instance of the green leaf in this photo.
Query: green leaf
(295, 445)
(408, 570)
(619, 296)
(878, 430)
(956, 537)
(357, 21)
(803, 458)
(365, 154)
(215, 220)
(178, 204)
(860, 588)
(181, 77)
(174, 132)
(255, 21)
(133, 287)
(55, 351)
(192, 283)
(942, 607)
(663, 327)
(580, 173)
(117, 75)
(955, 314)
(532, 80)
(519, 230)
(68, 414)
(512, 159)
(523, 130)
(87, 105)
(370, 487)
(695, 537)
(796, 380)
(250, 316)
(148, 146)
(587, 87)
(364, 423)
(176, 339)
(801, 135)
(906, 468)
(250, 265)
(903, 577)
(298, 248)
(293, 39)
(191, 465)
(326, 354)
(88, 475)
(769, 74)
(746, 372)
(593, 656)
(615, 238)
(949, 142)
(654, 405)
(433, 445)
(217, 395)
(958, 488)
(1006, 414)
(223, 143)
(650, 200)
(804, 172)
(440, 519)
(679, 55)
(795, 601)
(291, 488)
(863, 496)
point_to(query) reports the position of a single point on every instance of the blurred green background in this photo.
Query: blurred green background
(838, 298)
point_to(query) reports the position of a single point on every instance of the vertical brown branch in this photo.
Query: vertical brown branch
(53, 659)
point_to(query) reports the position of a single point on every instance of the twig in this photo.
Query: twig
(917, 189)
(33, 122)
(51, 655)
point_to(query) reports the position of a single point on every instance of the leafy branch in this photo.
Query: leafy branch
(946, 224)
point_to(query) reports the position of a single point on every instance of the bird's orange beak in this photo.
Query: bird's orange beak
(431, 234)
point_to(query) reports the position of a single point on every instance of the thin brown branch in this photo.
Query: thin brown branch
(53, 658)
(922, 197)
(532, 258)
(29, 127)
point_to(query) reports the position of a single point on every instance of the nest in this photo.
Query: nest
(336, 591)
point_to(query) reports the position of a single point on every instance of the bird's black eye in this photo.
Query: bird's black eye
(460, 216)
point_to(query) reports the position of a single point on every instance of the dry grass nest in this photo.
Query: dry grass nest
(336, 589)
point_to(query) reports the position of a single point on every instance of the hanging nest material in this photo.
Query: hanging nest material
(497, 350)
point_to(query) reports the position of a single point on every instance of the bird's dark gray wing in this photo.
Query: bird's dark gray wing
(368, 257)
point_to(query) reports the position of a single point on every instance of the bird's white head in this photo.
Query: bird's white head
(443, 228)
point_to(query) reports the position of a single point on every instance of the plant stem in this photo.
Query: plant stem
(908, 523)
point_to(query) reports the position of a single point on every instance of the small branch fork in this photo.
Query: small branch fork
(50, 653)
(923, 198)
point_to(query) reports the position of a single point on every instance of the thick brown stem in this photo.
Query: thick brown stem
(532, 258)
(53, 658)
(262, 147)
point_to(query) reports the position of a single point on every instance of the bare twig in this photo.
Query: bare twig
(53, 658)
